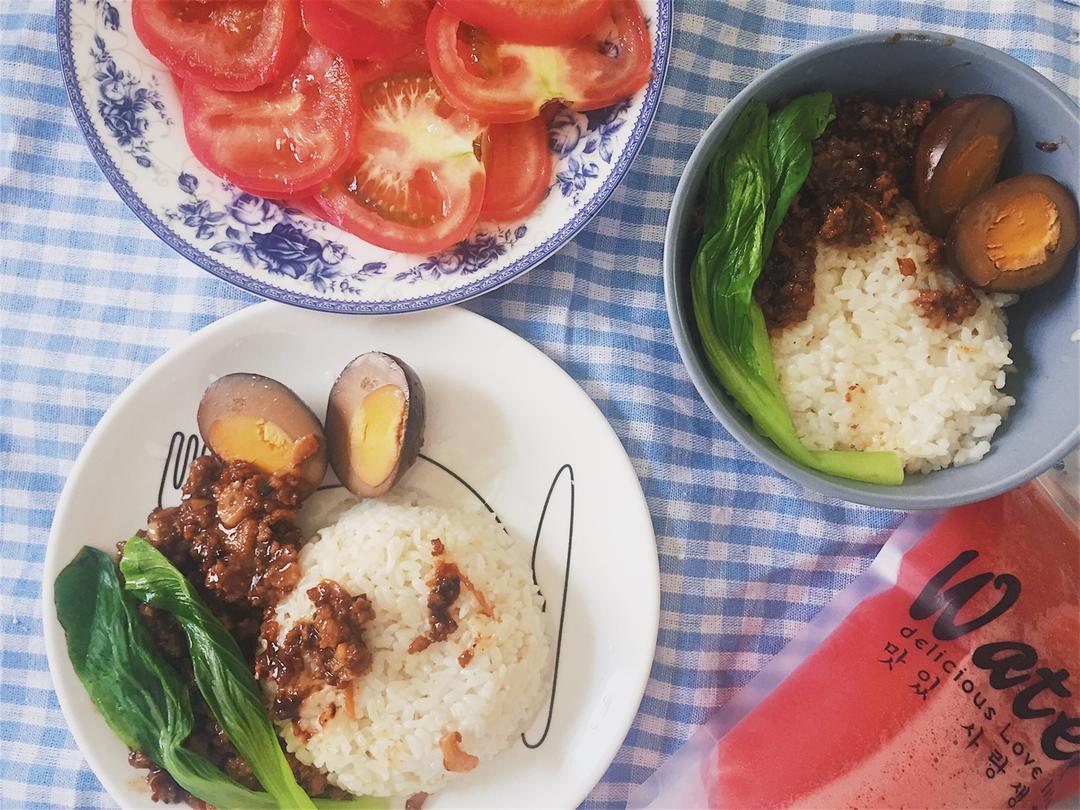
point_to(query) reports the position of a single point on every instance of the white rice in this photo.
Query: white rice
(865, 371)
(382, 548)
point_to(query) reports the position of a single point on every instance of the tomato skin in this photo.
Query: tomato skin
(368, 29)
(307, 204)
(413, 183)
(280, 140)
(200, 41)
(503, 82)
(518, 165)
(513, 99)
(628, 32)
(534, 22)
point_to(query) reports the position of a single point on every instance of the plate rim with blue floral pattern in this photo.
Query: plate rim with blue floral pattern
(127, 110)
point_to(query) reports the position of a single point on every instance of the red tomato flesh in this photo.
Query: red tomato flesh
(282, 139)
(414, 182)
(502, 82)
(379, 30)
(535, 22)
(518, 166)
(226, 44)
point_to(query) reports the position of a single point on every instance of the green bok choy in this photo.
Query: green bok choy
(223, 677)
(140, 696)
(144, 701)
(757, 172)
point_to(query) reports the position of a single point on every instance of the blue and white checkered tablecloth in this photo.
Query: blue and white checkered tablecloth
(89, 297)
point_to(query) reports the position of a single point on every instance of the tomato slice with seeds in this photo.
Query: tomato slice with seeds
(518, 165)
(282, 139)
(414, 182)
(227, 44)
(368, 29)
(502, 82)
(535, 22)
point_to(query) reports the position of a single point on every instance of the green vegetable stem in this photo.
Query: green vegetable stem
(761, 165)
(222, 675)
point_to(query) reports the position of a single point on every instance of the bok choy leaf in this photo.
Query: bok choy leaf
(223, 677)
(761, 165)
(140, 696)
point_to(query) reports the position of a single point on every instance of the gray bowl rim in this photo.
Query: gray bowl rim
(701, 376)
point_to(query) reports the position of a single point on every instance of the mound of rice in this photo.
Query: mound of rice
(865, 371)
(382, 547)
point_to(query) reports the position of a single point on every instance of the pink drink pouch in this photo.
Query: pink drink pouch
(947, 675)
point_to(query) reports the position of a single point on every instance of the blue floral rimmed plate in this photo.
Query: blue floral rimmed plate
(129, 111)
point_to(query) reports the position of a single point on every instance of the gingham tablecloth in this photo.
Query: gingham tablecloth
(89, 297)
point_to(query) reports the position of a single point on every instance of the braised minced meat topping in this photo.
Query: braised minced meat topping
(162, 786)
(861, 170)
(444, 589)
(207, 738)
(328, 648)
(861, 163)
(952, 305)
(785, 288)
(235, 539)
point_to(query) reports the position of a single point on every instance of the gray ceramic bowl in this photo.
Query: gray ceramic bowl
(1045, 423)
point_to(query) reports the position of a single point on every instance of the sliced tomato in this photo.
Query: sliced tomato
(309, 205)
(537, 22)
(281, 139)
(502, 82)
(379, 30)
(518, 165)
(227, 44)
(414, 182)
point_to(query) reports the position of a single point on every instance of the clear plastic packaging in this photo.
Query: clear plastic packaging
(947, 675)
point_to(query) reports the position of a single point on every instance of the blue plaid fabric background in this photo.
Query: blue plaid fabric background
(89, 297)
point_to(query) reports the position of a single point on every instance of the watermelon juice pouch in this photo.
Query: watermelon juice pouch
(947, 675)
